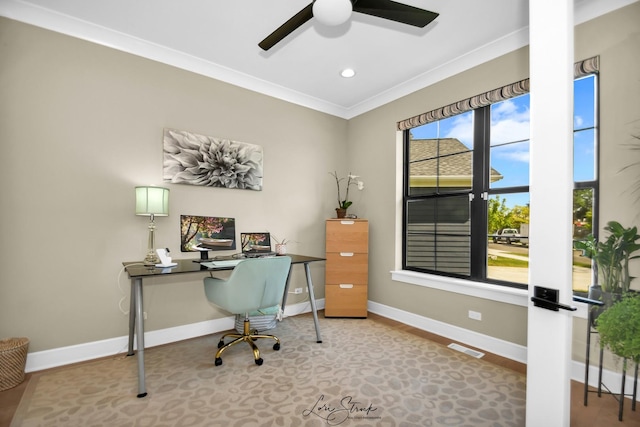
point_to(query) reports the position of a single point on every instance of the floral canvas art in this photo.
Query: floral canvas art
(195, 159)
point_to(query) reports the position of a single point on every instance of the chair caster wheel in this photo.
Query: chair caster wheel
(276, 346)
(218, 361)
(220, 344)
(259, 361)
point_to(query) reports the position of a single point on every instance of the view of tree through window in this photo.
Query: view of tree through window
(467, 191)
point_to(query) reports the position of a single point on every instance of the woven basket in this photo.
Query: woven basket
(261, 320)
(13, 358)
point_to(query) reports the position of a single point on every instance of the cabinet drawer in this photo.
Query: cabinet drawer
(347, 268)
(345, 301)
(349, 235)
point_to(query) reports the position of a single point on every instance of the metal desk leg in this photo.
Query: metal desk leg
(286, 290)
(312, 299)
(132, 317)
(137, 285)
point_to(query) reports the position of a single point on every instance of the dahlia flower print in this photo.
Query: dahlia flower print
(195, 159)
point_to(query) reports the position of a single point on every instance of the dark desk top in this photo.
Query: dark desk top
(136, 269)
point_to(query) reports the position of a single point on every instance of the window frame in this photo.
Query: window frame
(481, 190)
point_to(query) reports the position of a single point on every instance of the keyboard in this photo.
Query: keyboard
(259, 254)
(221, 263)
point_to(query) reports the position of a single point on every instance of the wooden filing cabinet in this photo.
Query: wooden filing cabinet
(347, 268)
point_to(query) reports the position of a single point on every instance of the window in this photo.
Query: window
(508, 196)
(466, 186)
(585, 174)
(440, 164)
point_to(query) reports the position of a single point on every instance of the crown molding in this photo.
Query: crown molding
(64, 24)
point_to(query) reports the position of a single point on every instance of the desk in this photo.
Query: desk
(137, 272)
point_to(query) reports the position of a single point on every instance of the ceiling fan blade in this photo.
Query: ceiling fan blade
(395, 11)
(287, 28)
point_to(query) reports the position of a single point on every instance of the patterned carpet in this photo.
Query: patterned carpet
(363, 374)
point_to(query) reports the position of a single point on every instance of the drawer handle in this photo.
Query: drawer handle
(346, 285)
(347, 222)
(346, 253)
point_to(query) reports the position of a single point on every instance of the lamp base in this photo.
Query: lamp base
(151, 258)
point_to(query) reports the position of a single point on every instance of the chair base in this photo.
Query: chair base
(247, 336)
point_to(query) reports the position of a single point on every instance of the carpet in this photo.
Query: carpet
(365, 373)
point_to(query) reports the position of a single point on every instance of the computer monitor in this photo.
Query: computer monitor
(255, 243)
(207, 233)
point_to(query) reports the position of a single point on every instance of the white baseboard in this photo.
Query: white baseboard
(62, 356)
(493, 345)
(512, 351)
(94, 350)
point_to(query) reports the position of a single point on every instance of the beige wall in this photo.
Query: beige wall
(372, 144)
(81, 125)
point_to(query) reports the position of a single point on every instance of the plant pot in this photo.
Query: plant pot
(608, 298)
(281, 249)
(341, 213)
(595, 293)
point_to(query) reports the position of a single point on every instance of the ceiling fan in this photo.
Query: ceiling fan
(336, 12)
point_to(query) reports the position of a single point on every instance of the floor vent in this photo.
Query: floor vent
(466, 350)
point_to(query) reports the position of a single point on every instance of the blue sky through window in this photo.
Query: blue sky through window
(510, 137)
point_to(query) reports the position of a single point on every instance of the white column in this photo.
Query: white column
(549, 333)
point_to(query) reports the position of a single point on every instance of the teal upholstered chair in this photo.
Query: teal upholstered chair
(253, 284)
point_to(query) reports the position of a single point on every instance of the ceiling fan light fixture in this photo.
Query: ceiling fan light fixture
(332, 12)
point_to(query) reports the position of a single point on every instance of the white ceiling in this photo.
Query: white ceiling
(220, 39)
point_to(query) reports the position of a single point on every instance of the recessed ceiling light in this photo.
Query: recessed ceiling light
(348, 73)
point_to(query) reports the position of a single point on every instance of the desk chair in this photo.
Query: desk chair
(253, 284)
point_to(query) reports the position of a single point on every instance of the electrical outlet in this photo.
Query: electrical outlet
(475, 315)
(297, 291)
(144, 315)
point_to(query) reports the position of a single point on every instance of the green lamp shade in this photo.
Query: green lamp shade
(152, 201)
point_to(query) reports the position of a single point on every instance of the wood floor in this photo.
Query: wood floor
(601, 411)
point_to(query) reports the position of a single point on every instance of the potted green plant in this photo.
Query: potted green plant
(281, 245)
(612, 256)
(619, 328)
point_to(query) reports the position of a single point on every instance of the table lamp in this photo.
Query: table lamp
(152, 202)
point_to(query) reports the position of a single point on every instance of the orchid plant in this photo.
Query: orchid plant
(351, 180)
